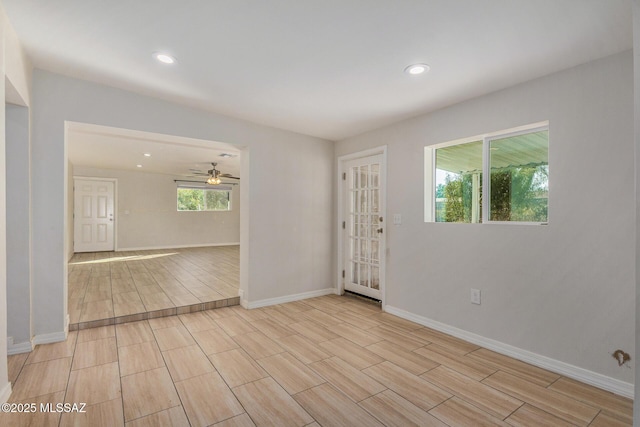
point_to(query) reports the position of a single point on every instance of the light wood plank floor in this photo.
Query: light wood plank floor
(329, 361)
(106, 288)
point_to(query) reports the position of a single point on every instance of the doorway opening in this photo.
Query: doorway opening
(134, 251)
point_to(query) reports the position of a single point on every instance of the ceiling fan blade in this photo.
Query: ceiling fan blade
(226, 175)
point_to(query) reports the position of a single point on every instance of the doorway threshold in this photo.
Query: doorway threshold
(173, 311)
(362, 297)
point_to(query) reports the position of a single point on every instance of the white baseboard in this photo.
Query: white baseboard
(5, 393)
(589, 377)
(23, 347)
(290, 298)
(50, 338)
(199, 245)
(243, 301)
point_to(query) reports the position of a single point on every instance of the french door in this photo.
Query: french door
(93, 215)
(364, 225)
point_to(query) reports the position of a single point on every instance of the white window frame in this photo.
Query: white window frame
(430, 171)
(204, 187)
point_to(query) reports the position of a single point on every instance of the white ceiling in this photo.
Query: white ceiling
(328, 68)
(112, 148)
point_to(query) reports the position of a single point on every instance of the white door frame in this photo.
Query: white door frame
(382, 150)
(115, 205)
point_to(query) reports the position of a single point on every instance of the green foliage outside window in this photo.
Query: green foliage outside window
(458, 198)
(517, 194)
(200, 199)
(520, 194)
(518, 178)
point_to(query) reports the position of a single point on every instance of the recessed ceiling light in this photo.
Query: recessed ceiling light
(147, 154)
(138, 166)
(416, 69)
(164, 58)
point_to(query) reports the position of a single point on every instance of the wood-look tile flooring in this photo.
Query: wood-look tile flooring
(328, 361)
(106, 288)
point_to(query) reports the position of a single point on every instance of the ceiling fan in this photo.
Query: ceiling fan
(214, 175)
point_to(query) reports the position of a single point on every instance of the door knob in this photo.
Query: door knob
(379, 230)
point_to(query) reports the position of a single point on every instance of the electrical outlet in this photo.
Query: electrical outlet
(475, 296)
(397, 219)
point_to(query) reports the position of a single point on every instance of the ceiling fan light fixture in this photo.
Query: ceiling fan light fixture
(415, 69)
(214, 175)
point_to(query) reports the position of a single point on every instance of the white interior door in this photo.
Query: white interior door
(93, 215)
(364, 226)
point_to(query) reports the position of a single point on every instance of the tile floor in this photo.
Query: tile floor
(329, 361)
(106, 288)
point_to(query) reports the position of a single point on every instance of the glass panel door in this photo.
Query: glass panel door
(365, 226)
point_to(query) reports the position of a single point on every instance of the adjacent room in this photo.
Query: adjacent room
(147, 235)
(320, 213)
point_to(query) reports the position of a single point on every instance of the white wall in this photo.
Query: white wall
(18, 228)
(287, 182)
(15, 75)
(636, 98)
(565, 291)
(147, 215)
(18, 69)
(5, 385)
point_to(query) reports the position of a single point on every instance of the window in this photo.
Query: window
(519, 184)
(503, 177)
(194, 198)
(459, 183)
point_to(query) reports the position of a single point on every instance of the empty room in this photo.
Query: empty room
(147, 236)
(319, 213)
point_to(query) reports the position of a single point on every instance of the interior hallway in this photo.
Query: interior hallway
(329, 361)
(106, 288)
